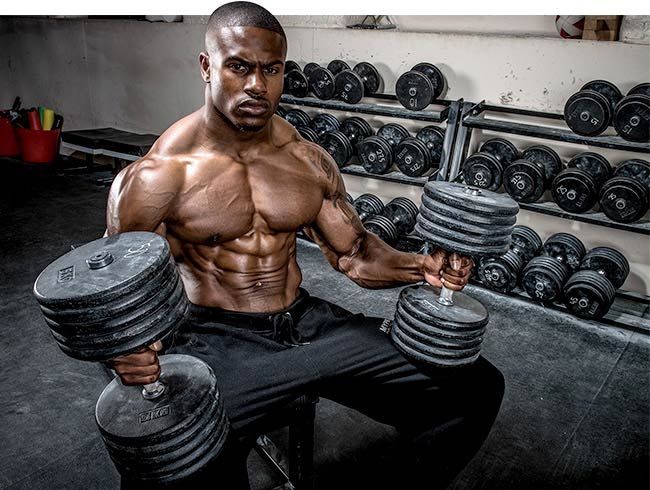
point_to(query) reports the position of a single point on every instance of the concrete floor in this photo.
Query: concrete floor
(575, 413)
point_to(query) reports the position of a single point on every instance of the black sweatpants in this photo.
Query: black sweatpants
(264, 361)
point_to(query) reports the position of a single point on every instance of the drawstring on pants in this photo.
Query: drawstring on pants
(283, 330)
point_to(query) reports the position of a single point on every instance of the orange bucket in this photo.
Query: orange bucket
(37, 145)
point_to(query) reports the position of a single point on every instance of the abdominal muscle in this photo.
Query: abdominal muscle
(254, 273)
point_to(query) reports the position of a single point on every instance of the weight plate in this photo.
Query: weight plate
(439, 331)
(348, 86)
(587, 113)
(471, 199)
(632, 118)
(608, 89)
(402, 213)
(608, 262)
(356, 129)
(524, 181)
(280, 111)
(324, 123)
(594, 164)
(308, 133)
(425, 348)
(338, 146)
(482, 170)
(525, 242)
(372, 81)
(368, 205)
(542, 280)
(321, 83)
(500, 274)
(412, 157)
(435, 76)
(297, 118)
(636, 169)
(290, 65)
(623, 199)
(434, 138)
(296, 83)
(393, 133)
(589, 295)
(375, 155)
(574, 191)
(382, 227)
(466, 313)
(462, 226)
(547, 158)
(642, 88)
(453, 245)
(565, 248)
(463, 216)
(428, 335)
(413, 354)
(337, 66)
(309, 67)
(501, 149)
(414, 90)
(488, 237)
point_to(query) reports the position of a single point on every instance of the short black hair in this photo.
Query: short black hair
(244, 14)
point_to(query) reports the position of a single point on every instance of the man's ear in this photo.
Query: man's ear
(204, 61)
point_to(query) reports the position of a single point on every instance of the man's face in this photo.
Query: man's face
(245, 68)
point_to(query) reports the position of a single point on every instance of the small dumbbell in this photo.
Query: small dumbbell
(309, 67)
(376, 153)
(343, 144)
(502, 273)
(420, 86)
(589, 111)
(353, 85)
(367, 205)
(433, 137)
(297, 118)
(484, 169)
(402, 212)
(323, 123)
(576, 188)
(526, 179)
(308, 133)
(624, 197)
(590, 292)
(280, 111)
(382, 227)
(295, 81)
(412, 157)
(632, 114)
(321, 80)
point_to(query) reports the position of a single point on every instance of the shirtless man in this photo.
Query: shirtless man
(229, 186)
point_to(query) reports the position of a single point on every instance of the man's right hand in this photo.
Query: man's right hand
(140, 368)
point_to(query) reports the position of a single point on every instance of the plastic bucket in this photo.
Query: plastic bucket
(8, 142)
(38, 146)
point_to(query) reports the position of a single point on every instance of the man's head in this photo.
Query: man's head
(243, 63)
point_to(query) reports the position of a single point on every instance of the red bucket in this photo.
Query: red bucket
(37, 145)
(8, 142)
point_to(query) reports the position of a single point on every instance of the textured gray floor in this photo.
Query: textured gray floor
(575, 413)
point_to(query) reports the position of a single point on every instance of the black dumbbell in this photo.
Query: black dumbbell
(526, 179)
(576, 188)
(624, 197)
(382, 227)
(433, 137)
(309, 67)
(565, 248)
(632, 114)
(502, 273)
(308, 133)
(368, 205)
(484, 169)
(321, 80)
(589, 111)
(281, 111)
(412, 157)
(402, 212)
(590, 292)
(324, 123)
(376, 153)
(353, 85)
(295, 81)
(420, 86)
(297, 118)
(344, 143)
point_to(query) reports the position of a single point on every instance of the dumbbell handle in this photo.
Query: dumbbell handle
(445, 297)
(153, 390)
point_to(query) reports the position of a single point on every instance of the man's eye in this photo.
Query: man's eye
(272, 70)
(237, 67)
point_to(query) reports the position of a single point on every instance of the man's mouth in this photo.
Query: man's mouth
(255, 107)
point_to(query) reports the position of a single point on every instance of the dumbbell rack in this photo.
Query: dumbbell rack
(473, 117)
(449, 114)
(630, 309)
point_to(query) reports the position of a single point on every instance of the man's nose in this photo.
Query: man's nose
(256, 82)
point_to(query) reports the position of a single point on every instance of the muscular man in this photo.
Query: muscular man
(229, 186)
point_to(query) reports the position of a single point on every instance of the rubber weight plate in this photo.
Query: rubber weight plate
(565, 248)
(425, 348)
(471, 199)
(623, 199)
(632, 118)
(479, 245)
(412, 157)
(296, 83)
(338, 146)
(636, 169)
(372, 81)
(524, 181)
(594, 164)
(291, 65)
(402, 212)
(434, 75)
(356, 129)
(443, 337)
(434, 138)
(574, 191)
(414, 90)
(308, 133)
(546, 157)
(348, 87)
(525, 242)
(382, 227)
(375, 155)
(309, 67)
(482, 170)
(587, 113)
(324, 123)
(589, 295)
(501, 149)
(321, 83)
(642, 88)
(608, 262)
(368, 205)
(463, 227)
(393, 133)
(608, 89)
(297, 118)
(543, 279)
(461, 217)
(337, 66)
(501, 273)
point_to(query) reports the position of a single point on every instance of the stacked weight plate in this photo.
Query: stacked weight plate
(168, 438)
(470, 221)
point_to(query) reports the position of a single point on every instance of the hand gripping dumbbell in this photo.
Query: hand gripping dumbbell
(295, 80)
(526, 179)
(321, 80)
(376, 153)
(503, 273)
(431, 324)
(544, 276)
(420, 86)
(114, 296)
(590, 291)
(484, 169)
(624, 197)
(632, 114)
(343, 144)
(589, 111)
(576, 188)
(353, 85)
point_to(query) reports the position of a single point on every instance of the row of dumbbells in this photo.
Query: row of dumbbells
(392, 145)
(623, 193)
(415, 89)
(599, 104)
(560, 270)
